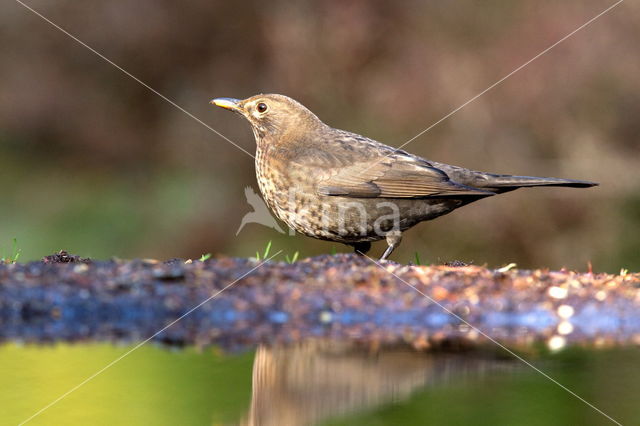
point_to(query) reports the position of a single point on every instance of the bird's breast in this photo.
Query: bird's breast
(287, 190)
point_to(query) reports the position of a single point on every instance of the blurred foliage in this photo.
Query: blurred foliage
(93, 162)
(527, 399)
(150, 386)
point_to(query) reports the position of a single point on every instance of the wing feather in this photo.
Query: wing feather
(380, 172)
(390, 177)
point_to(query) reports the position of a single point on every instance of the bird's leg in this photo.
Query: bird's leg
(393, 240)
(361, 248)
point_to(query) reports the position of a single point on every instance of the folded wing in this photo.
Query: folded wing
(392, 177)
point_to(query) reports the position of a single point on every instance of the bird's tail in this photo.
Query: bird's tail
(503, 183)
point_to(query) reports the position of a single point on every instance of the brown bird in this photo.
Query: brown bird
(340, 186)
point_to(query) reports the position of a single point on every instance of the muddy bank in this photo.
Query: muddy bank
(68, 298)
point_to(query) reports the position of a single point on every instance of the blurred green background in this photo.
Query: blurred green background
(94, 163)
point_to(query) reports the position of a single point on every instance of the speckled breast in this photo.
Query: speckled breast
(291, 195)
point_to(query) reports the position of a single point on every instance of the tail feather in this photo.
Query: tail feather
(503, 183)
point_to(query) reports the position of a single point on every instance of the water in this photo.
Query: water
(313, 382)
(329, 340)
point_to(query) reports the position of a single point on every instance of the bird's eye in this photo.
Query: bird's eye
(262, 107)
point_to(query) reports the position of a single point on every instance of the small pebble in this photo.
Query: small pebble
(556, 343)
(565, 311)
(565, 327)
(558, 292)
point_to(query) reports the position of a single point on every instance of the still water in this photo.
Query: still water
(314, 382)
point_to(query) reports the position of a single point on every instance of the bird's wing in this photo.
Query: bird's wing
(391, 177)
(351, 165)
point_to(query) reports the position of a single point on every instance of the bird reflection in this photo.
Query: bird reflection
(313, 381)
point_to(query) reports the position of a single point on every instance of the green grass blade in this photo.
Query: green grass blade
(267, 250)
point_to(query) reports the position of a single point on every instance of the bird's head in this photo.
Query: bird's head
(272, 117)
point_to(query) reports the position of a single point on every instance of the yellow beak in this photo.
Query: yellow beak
(228, 103)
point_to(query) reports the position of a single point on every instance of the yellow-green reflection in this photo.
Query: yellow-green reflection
(150, 386)
(312, 383)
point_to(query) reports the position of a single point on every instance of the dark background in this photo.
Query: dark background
(93, 162)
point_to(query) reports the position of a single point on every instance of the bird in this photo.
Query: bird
(340, 186)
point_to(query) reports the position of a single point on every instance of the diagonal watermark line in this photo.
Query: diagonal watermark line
(133, 77)
(512, 72)
(109, 365)
(509, 351)
(590, 21)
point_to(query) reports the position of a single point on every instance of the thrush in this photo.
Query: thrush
(339, 186)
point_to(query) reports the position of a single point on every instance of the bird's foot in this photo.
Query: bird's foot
(393, 240)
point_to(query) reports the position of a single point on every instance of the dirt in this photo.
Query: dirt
(63, 257)
(237, 303)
